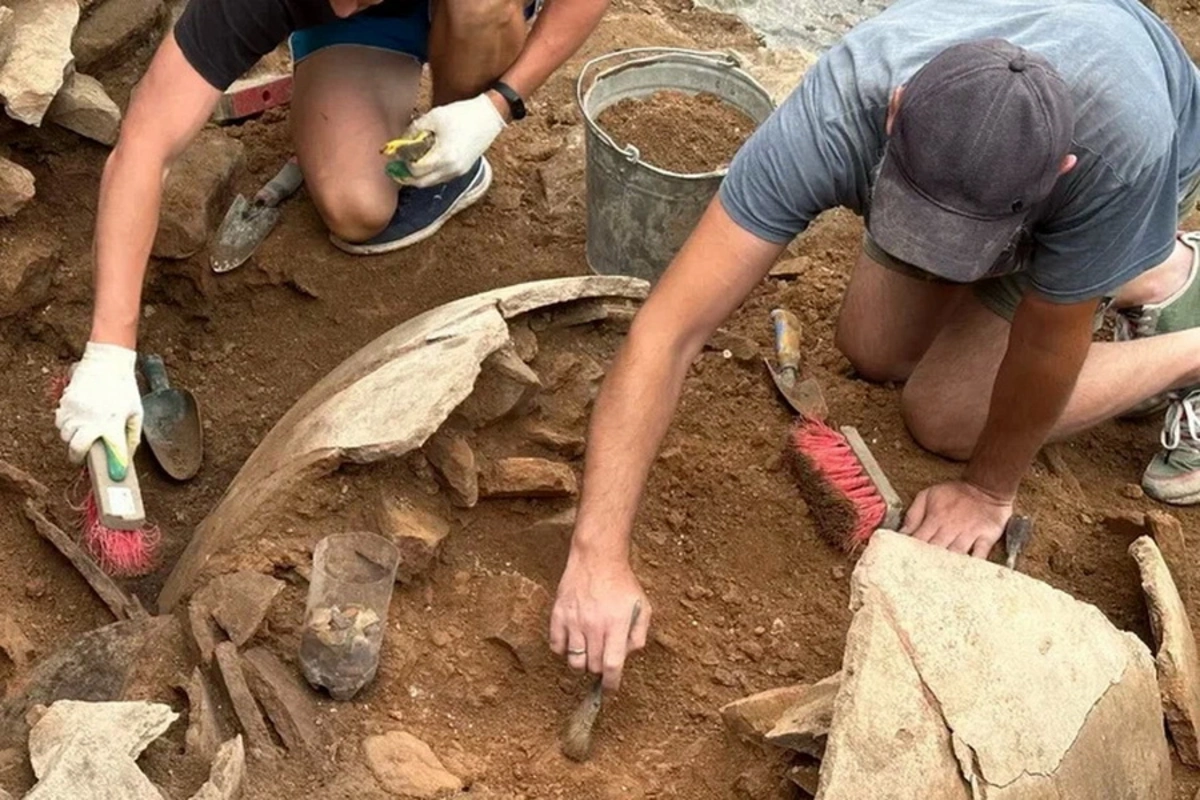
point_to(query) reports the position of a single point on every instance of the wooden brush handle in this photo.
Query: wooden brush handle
(118, 501)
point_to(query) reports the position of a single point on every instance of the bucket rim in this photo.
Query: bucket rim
(727, 59)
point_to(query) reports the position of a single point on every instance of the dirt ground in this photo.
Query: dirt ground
(747, 595)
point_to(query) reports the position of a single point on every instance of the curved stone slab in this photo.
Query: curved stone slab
(382, 402)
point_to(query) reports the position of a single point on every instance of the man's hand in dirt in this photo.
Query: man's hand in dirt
(959, 517)
(592, 623)
(101, 402)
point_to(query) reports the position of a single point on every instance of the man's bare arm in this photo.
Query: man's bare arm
(710, 277)
(169, 106)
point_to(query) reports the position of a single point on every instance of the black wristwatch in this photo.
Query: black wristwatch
(516, 105)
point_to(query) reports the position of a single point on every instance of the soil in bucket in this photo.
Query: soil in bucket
(677, 131)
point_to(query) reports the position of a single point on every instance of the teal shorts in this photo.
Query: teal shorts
(408, 35)
(1001, 294)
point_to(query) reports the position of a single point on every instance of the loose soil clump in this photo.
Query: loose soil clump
(677, 131)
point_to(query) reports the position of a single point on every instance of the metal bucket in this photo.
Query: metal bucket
(638, 215)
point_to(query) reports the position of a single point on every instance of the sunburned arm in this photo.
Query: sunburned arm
(561, 28)
(169, 106)
(1046, 349)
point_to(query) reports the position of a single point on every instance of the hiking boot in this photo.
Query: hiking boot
(1178, 312)
(421, 212)
(1173, 476)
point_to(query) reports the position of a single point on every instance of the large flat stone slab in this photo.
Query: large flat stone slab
(383, 402)
(964, 679)
(1177, 660)
(40, 57)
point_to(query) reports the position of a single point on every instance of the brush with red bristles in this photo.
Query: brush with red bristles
(113, 519)
(840, 479)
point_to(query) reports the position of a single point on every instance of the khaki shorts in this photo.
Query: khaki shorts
(1001, 294)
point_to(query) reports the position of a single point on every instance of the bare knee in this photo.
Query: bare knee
(938, 429)
(474, 18)
(353, 216)
(872, 360)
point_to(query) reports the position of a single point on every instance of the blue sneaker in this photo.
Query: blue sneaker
(421, 212)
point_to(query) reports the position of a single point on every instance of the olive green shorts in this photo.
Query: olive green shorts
(1000, 294)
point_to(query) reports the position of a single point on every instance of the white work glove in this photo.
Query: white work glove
(464, 131)
(101, 401)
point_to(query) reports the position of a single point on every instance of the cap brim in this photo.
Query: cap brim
(911, 228)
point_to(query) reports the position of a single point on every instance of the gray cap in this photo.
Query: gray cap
(979, 138)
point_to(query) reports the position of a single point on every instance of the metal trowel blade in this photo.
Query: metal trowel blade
(244, 228)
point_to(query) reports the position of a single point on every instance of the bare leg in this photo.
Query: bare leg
(889, 320)
(471, 44)
(946, 401)
(346, 103)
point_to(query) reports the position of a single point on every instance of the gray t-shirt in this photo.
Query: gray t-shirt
(1137, 131)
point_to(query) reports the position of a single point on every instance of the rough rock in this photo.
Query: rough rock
(524, 340)
(89, 749)
(779, 70)
(365, 410)
(15, 643)
(527, 477)
(791, 267)
(806, 775)
(227, 774)
(556, 526)
(561, 441)
(113, 28)
(203, 735)
(84, 107)
(244, 707)
(417, 534)
(406, 766)
(8, 31)
(116, 662)
(203, 630)
(196, 194)
(28, 266)
(506, 387)
(287, 699)
(454, 462)
(562, 176)
(17, 187)
(804, 725)
(742, 348)
(1167, 532)
(1177, 660)
(951, 666)
(753, 717)
(238, 602)
(515, 613)
(41, 56)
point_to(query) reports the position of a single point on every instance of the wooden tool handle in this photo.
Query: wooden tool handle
(118, 499)
(787, 339)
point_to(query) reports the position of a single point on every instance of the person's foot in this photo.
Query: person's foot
(421, 212)
(1173, 476)
(1178, 312)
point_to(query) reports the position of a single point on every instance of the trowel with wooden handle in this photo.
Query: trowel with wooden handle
(248, 222)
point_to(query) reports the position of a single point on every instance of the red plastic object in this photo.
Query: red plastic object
(246, 98)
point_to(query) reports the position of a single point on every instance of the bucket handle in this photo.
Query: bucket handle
(727, 59)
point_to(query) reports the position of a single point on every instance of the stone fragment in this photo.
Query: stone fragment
(88, 750)
(14, 643)
(17, 187)
(804, 726)
(753, 717)
(365, 410)
(406, 766)
(227, 774)
(505, 387)
(527, 477)
(239, 601)
(742, 348)
(287, 699)
(196, 193)
(557, 526)
(203, 630)
(417, 533)
(114, 28)
(453, 461)
(515, 613)
(791, 267)
(561, 441)
(41, 56)
(1167, 533)
(203, 735)
(84, 107)
(524, 340)
(921, 715)
(562, 176)
(8, 32)
(1133, 491)
(1177, 660)
(806, 775)
(244, 707)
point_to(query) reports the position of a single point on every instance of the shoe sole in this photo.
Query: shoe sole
(1185, 500)
(464, 201)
